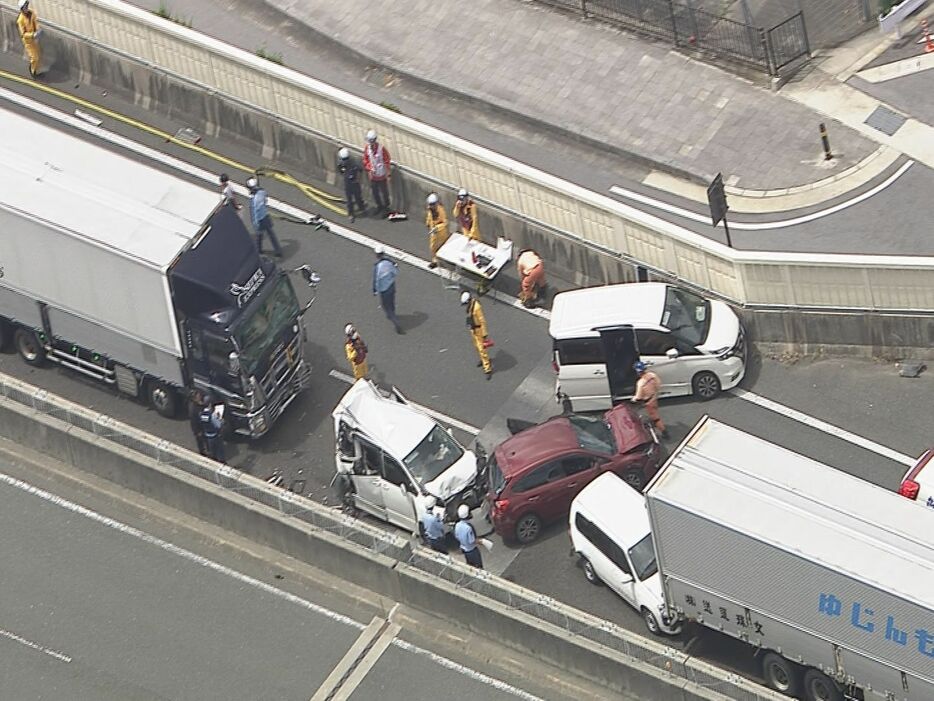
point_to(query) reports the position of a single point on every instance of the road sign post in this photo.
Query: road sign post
(716, 198)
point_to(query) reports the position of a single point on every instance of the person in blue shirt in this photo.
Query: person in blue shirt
(384, 285)
(431, 525)
(259, 213)
(467, 537)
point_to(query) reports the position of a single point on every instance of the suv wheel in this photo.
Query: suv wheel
(528, 528)
(706, 385)
(634, 479)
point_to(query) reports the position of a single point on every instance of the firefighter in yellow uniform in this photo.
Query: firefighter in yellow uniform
(437, 222)
(28, 24)
(356, 351)
(476, 324)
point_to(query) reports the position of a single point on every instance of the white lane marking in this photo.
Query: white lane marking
(246, 579)
(35, 646)
(211, 178)
(828, 428)
(437, 415)
(762, 226)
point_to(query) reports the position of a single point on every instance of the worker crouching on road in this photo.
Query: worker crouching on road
(476, 324)
(437, 222)
(465, 211)
(531, 275)
(647, 387)
(28, 24)
(356, 351)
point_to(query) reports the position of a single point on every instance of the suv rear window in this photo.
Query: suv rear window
(580, 351)
(497, 481)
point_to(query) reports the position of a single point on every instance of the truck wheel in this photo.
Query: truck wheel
(527, 528)
(29, 347)
(819, 687)
(589, 572)
(4, 335)
(780, 674)
(162, 398)
(706, 385)
(651, 622)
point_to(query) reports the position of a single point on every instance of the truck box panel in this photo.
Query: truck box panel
(19, 307)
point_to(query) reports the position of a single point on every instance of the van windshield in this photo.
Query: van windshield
(642, 557)
(687, 315)
(435, 454)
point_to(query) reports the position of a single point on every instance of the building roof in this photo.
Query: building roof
(74, 183)
(576, 313)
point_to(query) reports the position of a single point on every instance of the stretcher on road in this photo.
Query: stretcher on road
(474, 262)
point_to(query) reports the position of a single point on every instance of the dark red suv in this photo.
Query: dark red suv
(534, 475)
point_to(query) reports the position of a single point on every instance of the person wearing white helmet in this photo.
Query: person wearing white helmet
(353, 192)
(259, 214)
(356, 351)
(430, 525)
(476, 325)
(467, 537)
(436, 219)
(465, 211)
(384, 285)
(28, 24)
(378, 166)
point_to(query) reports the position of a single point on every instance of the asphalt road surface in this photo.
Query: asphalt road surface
(434, 364)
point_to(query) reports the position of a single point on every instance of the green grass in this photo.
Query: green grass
(390, 106)
(164, 12)
(270, 55)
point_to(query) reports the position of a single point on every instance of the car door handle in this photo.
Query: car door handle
(533, 498)
(599, 372)
(572, 485)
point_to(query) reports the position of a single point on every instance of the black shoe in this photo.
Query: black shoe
(352, 219)
(489, 375)
(432, 265)
(400, 331)
(480, 365)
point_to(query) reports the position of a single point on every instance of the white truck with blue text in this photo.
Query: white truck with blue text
(828, 577)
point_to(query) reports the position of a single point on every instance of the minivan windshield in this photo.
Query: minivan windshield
(435, 454)
(642, 557)
(263, 323)
(593, 434)
(687, 315)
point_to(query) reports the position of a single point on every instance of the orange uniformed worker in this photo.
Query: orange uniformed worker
(437, 222)
(647, 387)
(476, 324)
(356, 351)
(465, 211)
(28, 23)
(531, 275)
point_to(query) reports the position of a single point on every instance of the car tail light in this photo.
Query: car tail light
(910, 489)
(500, 506)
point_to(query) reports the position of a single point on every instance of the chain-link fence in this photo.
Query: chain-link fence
(396, 547)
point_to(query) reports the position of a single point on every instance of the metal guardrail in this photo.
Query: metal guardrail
(749, 278)
(689, 27)
(396, 547)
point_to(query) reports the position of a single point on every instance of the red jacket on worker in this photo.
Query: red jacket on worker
(376, 161)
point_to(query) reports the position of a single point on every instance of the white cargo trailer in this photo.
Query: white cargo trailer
(829, 577)
(140, 279)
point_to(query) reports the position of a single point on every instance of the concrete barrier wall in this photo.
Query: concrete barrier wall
(381, 574)
(553, 208)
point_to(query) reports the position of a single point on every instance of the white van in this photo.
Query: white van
(611, 535)
(695, 345)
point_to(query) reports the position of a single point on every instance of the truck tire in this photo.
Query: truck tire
(528, 527)
(780, 674)
(29, 347)
(706, 385)
(819, 687)
(590, 574)
(4, 334)
(163, 398)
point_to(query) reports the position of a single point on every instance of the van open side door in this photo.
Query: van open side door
(621, 352)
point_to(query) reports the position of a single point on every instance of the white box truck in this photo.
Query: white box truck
(830, 578)
(140, 279)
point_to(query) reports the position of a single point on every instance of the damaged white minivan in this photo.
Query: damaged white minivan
(390, 456)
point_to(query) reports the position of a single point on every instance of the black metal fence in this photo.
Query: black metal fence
(688, 27)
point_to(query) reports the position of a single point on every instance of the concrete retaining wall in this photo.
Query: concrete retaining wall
(380, 574)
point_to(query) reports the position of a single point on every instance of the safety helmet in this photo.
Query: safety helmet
(224, 178)
(430, 502)
(371, 136)
(432, 198)
(465, 297)
(463, 511)
(23, 4)
(379, 249)
(462, 194)
(344, 154)
(252, 183)
(350, 330)
(638, 366)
